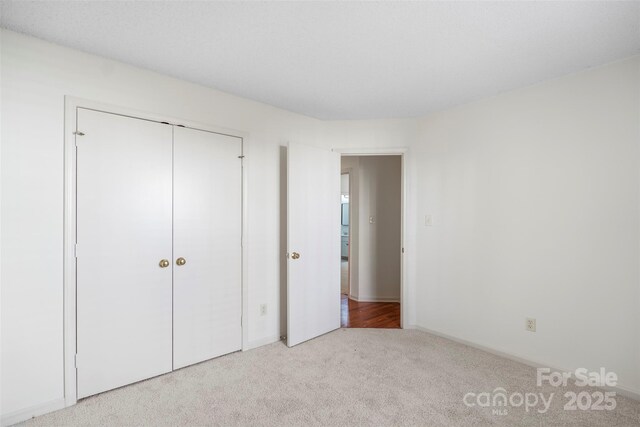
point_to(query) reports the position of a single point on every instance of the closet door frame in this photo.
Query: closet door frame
(71, 105)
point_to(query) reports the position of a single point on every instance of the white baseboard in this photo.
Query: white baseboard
(260, 342)
(620, 389)
(32, 411)
(373, 299)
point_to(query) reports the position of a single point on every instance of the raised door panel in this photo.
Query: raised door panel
(124, 227)
(207, 235)
(313, 266)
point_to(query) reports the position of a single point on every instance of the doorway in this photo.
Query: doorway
(313, 236)
(371, 241)
(344, 233)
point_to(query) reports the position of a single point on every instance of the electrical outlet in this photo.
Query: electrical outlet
(428, 220)
(530, 324)
(263, 309)
(372, 219)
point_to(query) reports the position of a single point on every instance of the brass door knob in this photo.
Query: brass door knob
(164, 263)
(295, 255)
(181, 261)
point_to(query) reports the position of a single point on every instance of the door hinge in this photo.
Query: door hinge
(402, 250)
(75, 250)
(75, 140)
(75, 360)
(241, 321)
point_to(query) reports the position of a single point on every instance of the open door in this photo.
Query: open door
(313, 230)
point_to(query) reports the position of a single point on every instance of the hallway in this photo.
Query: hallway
(354, 314)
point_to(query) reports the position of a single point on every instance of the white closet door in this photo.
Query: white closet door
(313, 267)
(207, 210)
(123, 232)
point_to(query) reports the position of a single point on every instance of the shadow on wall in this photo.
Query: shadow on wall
(283, 241)
(385, 200)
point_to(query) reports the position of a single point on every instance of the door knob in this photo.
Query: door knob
(181, 261)
(164, 263)
(295, 255)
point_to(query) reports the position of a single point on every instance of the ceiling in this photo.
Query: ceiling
(344, 60)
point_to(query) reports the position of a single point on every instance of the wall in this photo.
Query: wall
(535, 200)
(395, 135)
(351, 164)
(36, 76)
(376, 191)
(344, 185)
(344, 191)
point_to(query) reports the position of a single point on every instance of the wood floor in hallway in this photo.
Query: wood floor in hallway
(356, 314)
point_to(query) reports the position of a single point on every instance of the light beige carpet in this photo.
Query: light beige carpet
(348, 377)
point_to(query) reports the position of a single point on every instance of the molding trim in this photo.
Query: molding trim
(620, 389)
(373, 299)
(385, 151)
(260, 342)
(32, 411)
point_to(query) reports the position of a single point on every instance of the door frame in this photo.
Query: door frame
(348, 173)
(71, 104)
(390, 151)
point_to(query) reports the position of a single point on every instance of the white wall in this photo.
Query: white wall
(36, 76)
(535, 197)
(344, 184)
(351, 164)
(344, 191)
(376, 191)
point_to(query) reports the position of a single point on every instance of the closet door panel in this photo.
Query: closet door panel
(207, 235)
(124, 205)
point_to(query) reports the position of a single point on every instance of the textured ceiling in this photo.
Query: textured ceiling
(343, 60)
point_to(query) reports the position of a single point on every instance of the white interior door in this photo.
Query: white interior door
(123, 232)
(313, 266)
(207, 210)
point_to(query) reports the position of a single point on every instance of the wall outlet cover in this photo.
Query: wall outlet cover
(428, 220)
(530, 324)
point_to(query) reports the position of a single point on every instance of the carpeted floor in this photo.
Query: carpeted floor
(348, 377)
